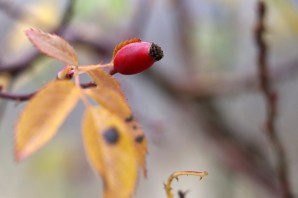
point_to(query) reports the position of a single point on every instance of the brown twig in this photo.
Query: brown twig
(271, 97)
(17, 97)
(25, 97)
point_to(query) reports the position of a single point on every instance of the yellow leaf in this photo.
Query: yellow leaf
(116, 104)
(111, 152)
(111, 100)
(102, 79)
(43, 115)
(53, 46)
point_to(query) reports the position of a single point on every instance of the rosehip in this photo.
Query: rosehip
(136, 57)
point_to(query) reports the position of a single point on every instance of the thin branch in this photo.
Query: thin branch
(17, 97)
(25, 97)
(88, 85)
(271, 97)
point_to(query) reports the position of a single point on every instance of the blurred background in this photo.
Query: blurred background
(200, 106)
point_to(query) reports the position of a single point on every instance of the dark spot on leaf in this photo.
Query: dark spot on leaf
(129, 119)
(140, 138)
(111, 135)
(134, 127)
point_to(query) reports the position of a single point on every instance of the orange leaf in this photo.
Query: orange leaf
(111, 100)
(53, 46)
(43, 115)
(102, 79)
(117, 105)
(111, 152)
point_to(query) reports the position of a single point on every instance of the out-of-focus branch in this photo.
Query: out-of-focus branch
(66, 18)
(20, 64)
(14, 11)
(271, 96)
(25, 97)
(17, 97)
(184, 32)
(27, 60)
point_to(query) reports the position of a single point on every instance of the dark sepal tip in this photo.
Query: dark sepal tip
(155, 52)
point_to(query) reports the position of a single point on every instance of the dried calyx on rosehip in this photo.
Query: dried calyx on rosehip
(134, 56)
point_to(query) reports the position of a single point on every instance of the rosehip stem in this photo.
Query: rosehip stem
(78, 84)
(85, 68)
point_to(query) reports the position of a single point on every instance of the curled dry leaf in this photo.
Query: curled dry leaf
(177, 174)
(53, 46)
(43, 115)
(111, 152)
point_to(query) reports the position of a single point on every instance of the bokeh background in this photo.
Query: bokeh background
(200, 106)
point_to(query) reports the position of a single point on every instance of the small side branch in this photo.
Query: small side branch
(17, 97)
(25, 97)
(271, 97)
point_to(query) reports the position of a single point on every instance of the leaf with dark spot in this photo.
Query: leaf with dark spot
(117, 164)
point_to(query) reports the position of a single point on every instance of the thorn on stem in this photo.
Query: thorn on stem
(182, 194)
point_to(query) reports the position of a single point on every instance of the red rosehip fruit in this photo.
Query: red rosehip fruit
(136, 57)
